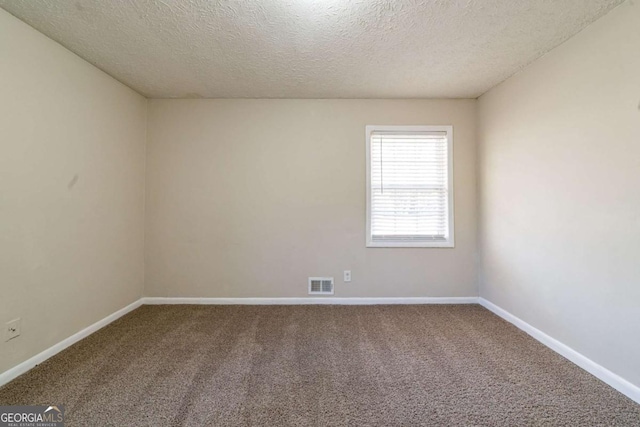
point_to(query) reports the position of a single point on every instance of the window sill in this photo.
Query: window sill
(435, 245)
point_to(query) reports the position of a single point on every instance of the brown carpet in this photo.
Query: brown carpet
(317, 366)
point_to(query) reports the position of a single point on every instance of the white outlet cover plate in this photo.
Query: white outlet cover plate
(347, 275)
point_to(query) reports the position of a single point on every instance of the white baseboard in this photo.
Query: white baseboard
(25, 366)
(623, 386)
(309, 301)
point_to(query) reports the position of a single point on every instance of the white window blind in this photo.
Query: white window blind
(409, 192)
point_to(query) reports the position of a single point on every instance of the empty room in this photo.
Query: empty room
(319, 213)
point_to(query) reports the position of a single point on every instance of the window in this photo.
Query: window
(410, 186)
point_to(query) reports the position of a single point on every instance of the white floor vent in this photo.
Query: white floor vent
(320, 285)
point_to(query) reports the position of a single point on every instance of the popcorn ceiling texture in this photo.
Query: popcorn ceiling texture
(310, 48)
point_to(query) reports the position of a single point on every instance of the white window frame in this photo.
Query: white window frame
(450, 241)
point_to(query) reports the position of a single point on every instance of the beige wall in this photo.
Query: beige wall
(247, 198)
(560, 193)
(71, 192)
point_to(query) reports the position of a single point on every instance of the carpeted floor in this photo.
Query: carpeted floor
(317, 366)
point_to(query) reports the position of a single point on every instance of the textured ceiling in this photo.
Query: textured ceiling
(310, 48)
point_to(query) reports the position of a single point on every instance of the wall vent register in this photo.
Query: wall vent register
(320, 285)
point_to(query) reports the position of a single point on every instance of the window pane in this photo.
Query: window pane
(409, 186)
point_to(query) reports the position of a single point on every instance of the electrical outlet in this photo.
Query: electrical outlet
(12, 329)
(347, 275)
